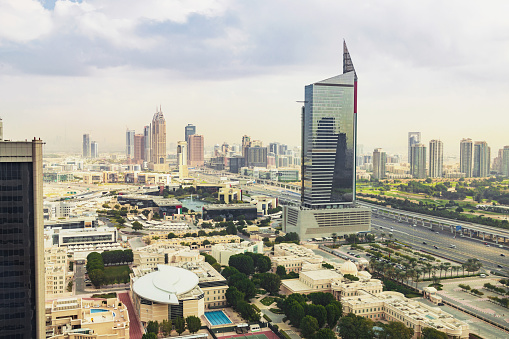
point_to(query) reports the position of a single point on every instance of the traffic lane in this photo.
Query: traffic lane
(79, 278)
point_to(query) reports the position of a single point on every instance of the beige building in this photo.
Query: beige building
(162, 253)
(195, 150)
(55, 270)
(294, 258)
(158, 142)
(176, 290)
(228, 194)
(80, 318)
(223, 252)
(196, 242)
(92, 178)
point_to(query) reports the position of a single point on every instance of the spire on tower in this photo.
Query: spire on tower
(347, 61)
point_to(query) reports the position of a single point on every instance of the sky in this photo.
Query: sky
(239, 67)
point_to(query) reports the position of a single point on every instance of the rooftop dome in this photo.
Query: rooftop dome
(165, 284)
(348, 267)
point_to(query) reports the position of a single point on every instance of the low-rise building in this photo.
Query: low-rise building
(295, 258)
(263, 204)
(55, 270)
(228, 194)
(94, 318)
(162, 253)
(229, 211)
(223, 252)
(80, 236)
(196, 242)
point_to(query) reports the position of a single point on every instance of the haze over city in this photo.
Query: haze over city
(234, 68)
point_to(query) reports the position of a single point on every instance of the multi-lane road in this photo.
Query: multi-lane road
(443, 243)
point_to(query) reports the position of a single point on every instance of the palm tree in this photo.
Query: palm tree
(441, 268)
(463, 266)
(409, 275)
(334, 237)
(383, 235)
(417, 275)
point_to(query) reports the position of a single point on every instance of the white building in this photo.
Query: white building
(223, 252)
(55, 270)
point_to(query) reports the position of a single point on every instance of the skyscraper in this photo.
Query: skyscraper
(94, 150)
(413, 139)
(436, 158)
(190, 129)
(246, 142)
(418, 164)
(1, 130)
(139, 148)
(481, 160)
(329, 118)
(466, 147)
(22, 253)
(505, 161)
(158, 139)
(379, 161)
(195, 144)
(129, 144)
(256, 156)
(146, 139)
(86, 145)
(182, 159)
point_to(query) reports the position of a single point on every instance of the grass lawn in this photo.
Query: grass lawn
(267, 301)
(116, 270)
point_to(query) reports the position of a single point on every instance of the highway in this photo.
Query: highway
(465, 247)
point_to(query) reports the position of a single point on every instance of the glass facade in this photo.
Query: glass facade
(329, 140)
(17, 255)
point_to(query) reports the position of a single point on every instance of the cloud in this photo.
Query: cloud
(22, 21)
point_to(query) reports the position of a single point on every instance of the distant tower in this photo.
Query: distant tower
(94, 150)
(158, 138)
(146, 140)
(436, 158)
(190, 129)
(505, 161)
(413, 139)
(195, 144)
(466, 152)
(129, 144)
(139, 148)
(246, 142)
(86, 145)
(182, 159)
(379, 161)
(1, 130)
(22, 228)
(481, 160)
(418, 164)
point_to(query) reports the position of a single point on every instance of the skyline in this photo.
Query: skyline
(215, 67)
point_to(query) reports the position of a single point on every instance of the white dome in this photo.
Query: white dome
(348, 267)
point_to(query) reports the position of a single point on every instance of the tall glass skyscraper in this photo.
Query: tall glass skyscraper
(329, 139)
(414, 138)
(190, 129)
(86, 145)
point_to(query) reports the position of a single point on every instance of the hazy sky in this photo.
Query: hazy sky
(238, 67)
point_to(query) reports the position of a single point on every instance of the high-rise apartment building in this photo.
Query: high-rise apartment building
(505, 161)
(379, 162)
(246, 142)
(146, 140)
(182, 159)
(86, 145)
(256, 156)
(414, 138)
(436, 158)
(139, 148)
(129, 144)
(158, 139)
(1, 130)
(466, 152)
(94, 150)
(189, 130)
(481, 163)
(21, 226)
(195, 145)
(418, 164)
(329, 139)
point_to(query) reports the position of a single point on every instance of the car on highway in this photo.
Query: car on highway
(502, 254)
(424, 243)
(452, 246)
(487, 245)
(435, 246)
(437, 233)
(500, 266)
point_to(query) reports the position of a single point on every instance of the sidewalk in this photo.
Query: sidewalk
(135, 329)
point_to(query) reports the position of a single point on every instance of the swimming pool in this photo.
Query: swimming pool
(217, 318)
(99, 310)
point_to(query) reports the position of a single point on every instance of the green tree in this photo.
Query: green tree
(180, 325)
(270, 282)
(193, 323)
(308, 326)
(396, 329)
(324, 333)
(319, 312)
(321, 298)
(229, 271)
(355, 327)
(243, 263)
(166, 327)
(231, 229)
(97, 277)
(333, 313)
(431, 333)
(149, 336)
(233, 296)
(171, 235)
(281, 271)
(247, 311)
(296, 313)
(153, 327)
(137, 226)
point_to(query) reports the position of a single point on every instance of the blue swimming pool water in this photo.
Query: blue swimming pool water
(217, 318)
(97, 310)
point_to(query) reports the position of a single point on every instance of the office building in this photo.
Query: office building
(223, 252)
(379, 162)
(94, 150)
(436, 158)
(86, 145)
(139, 148)
(466, 152)
(21, 226)
(158, 141)
(256, 156)
(236, 163)
(246, 142)
(414, 138)
(481, 165)
(129, 144)
(195, 144)
(182, 159)
(146, 140)
(505, 161)
(329, 119)
(418, 164)
(1, 130)
(189, 130)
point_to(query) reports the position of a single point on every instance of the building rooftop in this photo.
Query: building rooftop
(228, 206)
